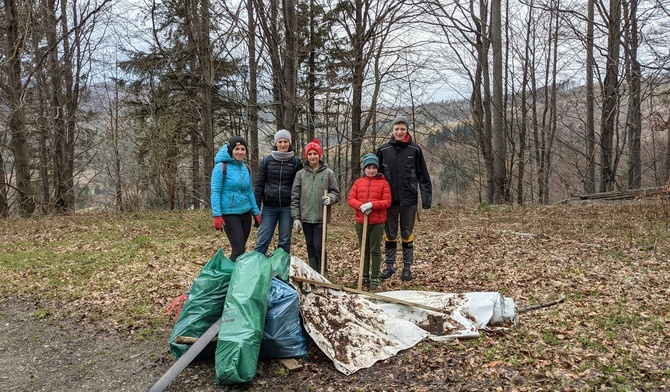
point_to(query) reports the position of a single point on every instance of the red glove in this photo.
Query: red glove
(257, 220)
(219, 223)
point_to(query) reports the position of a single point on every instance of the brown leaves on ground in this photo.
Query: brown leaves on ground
(610, 263)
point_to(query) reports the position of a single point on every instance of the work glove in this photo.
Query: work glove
(297, 226)
(257, 220)
(326, 200)
(219, 223)
(366, 208)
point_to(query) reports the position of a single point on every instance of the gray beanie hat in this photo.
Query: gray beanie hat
(401, 119)
(283, 134)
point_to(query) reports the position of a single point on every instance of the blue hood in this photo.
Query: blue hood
(223, 156)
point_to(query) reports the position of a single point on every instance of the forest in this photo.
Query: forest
(120, 105)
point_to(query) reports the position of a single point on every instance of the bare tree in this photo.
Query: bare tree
(633, 77)
(610, 97)
(15, 38)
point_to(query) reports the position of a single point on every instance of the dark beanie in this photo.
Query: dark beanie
(234, 142)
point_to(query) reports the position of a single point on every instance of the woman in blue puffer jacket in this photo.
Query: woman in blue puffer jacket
(232, 197)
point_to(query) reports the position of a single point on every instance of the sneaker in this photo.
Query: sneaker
(386, 275)
(406, 275)
(374, 285)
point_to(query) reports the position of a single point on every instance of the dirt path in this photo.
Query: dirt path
(38, 353)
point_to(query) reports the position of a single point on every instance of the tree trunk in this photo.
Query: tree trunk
(523, 129)
(634, 123)
(590, 178)
(610, 97)
(17, 120)
(498, 111)
(252, 107)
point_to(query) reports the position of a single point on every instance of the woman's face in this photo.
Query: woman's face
(313, 158)
(239, 152)
(283, 145)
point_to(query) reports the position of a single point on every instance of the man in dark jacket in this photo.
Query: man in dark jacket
(273, 190)
(404, 167)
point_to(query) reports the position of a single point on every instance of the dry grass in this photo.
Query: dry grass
(610, 262)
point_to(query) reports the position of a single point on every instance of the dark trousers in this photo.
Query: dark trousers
(237, 228)
(406, 215)
(313, 233)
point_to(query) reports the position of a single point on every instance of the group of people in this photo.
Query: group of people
(293, 194)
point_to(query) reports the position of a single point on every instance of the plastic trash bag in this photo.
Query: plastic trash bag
(204, 305)
(243, 319)
(282, 335)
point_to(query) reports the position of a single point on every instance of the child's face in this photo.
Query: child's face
(371, 170)
(313, 158)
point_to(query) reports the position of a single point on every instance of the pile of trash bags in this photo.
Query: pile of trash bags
(260, 314)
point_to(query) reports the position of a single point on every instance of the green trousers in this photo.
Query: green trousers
(373, 249)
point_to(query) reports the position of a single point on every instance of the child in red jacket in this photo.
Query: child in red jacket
(371, 195)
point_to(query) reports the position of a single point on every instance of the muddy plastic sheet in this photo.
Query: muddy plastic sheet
(465, 314)
(352, 331)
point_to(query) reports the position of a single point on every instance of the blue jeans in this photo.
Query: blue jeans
(272, 216)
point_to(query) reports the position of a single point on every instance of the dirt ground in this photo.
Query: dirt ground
(41, 353)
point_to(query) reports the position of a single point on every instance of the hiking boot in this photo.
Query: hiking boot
(406, 275)
(374, 284)
(386, 275)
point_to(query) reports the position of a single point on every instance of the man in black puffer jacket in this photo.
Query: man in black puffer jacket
(273, 191)
(403, 165)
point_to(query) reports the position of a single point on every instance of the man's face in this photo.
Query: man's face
(400, 132)
(283, 145)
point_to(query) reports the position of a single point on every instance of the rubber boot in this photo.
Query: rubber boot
(314, 263)
(407, 260)
(325, 266)
(390, 248)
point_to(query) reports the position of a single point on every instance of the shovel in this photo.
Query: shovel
(323, 237)
(363, 241)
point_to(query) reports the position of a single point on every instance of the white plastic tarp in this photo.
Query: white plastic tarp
(465, 314)
(352, 331)
(355, 331)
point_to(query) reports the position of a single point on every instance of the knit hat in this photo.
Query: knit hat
(314, 145)
(234, 142)
(401, 119)
(369, 159)
(283, 134)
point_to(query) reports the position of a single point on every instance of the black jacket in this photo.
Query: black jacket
(275, 180)
(403, 165)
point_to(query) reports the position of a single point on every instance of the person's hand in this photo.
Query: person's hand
(219, 223)
(297, 226)
(326, 200)
(257, 220)
(365, 207)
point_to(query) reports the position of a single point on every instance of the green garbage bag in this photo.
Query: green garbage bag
(204, 305)
(243, 318)
(281, 264)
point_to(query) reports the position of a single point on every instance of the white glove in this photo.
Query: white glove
(365, 207)
(297, 226)
(326, 200)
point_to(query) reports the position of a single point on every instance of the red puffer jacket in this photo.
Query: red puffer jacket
(375, 189)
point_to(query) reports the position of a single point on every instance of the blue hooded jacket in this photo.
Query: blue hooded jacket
(235, 195)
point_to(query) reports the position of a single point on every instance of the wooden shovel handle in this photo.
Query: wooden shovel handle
(363, 241)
